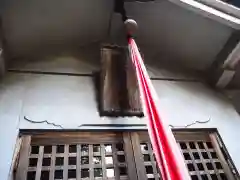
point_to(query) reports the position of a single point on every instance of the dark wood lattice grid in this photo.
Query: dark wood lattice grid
(151, 168)
(201, 152)
(202, 160)
(117, 156)
(49, 159)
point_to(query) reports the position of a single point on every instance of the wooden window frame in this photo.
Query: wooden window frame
(118, 94)
(210, 135)
(56, 138)
(134, 158)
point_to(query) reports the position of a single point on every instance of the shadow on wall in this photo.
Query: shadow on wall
(76, 60)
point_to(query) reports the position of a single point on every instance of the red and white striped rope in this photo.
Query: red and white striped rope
(166, 150)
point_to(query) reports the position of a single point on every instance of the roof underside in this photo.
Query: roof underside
(168, 33)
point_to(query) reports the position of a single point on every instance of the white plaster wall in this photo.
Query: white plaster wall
(11, 91)
(70, 101)
(181, 103)
(65, 100)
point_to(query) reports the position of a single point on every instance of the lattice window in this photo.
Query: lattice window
(116, 156)
(202, 160)
(75, 158)
(201, 151)
(151, 168)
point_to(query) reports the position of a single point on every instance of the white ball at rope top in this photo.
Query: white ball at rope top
(131, 26)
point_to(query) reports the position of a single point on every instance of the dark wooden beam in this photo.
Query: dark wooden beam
(219, 73)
